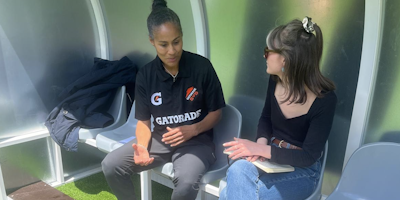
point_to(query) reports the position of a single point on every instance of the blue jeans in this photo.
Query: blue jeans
(246, 181)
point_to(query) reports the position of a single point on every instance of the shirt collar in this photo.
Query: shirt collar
(184, 69)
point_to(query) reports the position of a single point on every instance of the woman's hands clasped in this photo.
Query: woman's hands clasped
(242, 148)
(179, 135)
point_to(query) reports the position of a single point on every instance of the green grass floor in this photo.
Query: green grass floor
(95, 187)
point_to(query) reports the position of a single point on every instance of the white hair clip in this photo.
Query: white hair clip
(308, 25)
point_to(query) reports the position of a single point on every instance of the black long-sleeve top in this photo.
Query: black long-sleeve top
(309, 131)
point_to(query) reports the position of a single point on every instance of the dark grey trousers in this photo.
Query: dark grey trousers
(190, 163)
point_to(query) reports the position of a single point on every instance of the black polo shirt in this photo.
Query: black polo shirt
(185, 101)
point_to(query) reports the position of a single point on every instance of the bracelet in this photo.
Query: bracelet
(141, 146)
(280, 144)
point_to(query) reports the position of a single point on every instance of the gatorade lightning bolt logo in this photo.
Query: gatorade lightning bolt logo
(156, 99)
(191, 93)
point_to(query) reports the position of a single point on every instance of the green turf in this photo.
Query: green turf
(95, 187)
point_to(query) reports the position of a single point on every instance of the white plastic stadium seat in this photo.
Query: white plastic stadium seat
(113, 139)
(372, 172)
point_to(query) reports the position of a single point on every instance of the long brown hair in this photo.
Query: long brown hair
(302, 53)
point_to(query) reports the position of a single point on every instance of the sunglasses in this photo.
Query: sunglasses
(267, 51)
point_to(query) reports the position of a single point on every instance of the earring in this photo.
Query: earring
(283, 69)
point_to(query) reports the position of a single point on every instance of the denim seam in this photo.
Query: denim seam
(287, 178)
(258, 186)
(313, 175)
(315, 183)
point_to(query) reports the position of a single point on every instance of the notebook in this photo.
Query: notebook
(270, 167)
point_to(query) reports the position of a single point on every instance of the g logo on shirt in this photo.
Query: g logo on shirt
(156, 99)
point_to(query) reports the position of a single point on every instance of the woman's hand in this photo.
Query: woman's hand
(254, 158)
(243, 148)
(179, 135)
(141, 155)
(260, 140)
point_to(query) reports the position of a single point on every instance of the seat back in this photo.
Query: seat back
(228, 127)
(131, 118)
(372, 172)
(316, 195)
(108, 141)
(117, 110)
(250, 108)
(133, 121)
(118, 106)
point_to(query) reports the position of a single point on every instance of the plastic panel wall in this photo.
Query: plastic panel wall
(127, 28)
(86, 158)
(44, 45)
(238, 30)
(384, 116)
(27, 163)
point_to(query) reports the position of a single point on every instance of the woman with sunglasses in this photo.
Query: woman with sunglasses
(295, 122)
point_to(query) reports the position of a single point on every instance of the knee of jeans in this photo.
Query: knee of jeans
(111, 168)
(188, 182)
(222, 194)
(107, 167)
(241, 167)
(184, 191)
